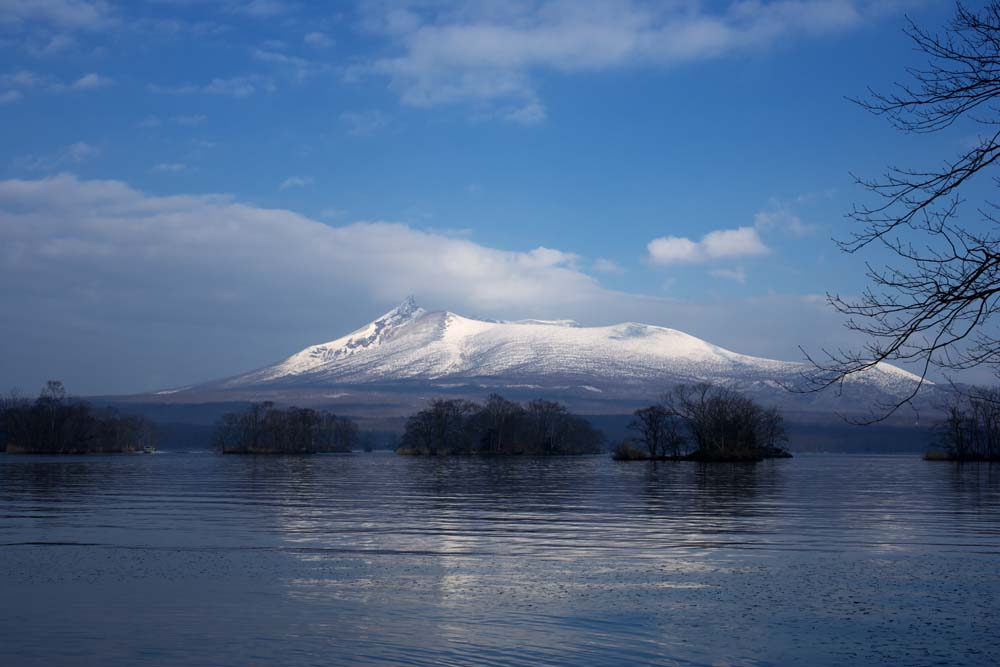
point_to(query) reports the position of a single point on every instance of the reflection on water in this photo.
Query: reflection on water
(185, 559)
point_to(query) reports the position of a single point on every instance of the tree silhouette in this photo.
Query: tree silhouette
(658, 429)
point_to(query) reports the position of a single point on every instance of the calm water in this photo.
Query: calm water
(373, 559)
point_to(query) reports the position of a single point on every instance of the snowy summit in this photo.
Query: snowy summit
(409, 346)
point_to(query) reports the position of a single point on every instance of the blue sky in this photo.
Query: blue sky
(193, 188)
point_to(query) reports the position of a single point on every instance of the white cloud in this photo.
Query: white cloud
(70, 14)
(603, 265)
(295, 68)
(185, 120)
(542, 257)
(295, 182)
(80, 151)
(318, 40)
(91, 81)
(9, 96)
(237, 86)
(361, 123)
(332, 213)
(23, 80)
(738, 242)
(779, 216)
(73, 154)
(739, 275)
(670, 249)
(149, 122)
(529, 114)
(195, 119)
(169, 167)
(718, 244)
(277, 58)
(261, 8)
(176, 89)
(488, 52)
(50, 45)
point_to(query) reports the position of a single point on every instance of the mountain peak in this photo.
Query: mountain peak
(366, 338)
(406, 311)
(406, 307)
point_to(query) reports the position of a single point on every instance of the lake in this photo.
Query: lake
(373, 559)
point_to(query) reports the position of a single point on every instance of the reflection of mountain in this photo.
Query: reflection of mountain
(408, 354)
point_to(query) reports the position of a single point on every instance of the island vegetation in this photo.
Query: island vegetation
(264, 428)
(498, 427)
(970, 430)
(704, 422)
(56, 423)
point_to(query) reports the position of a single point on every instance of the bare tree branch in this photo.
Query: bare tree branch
(933, 309)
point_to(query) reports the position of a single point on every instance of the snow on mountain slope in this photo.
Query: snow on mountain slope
(409, 344)
(365, 339)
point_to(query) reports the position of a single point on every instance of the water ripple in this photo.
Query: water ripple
(376, 560)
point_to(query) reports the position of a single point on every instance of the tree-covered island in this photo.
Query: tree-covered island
(56, 423)
(264, 428)
(498, 427)
(970, 430)
(704, 422)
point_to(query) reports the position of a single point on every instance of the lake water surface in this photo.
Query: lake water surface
(374, 559)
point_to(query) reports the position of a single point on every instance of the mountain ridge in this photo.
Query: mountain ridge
(409, 353)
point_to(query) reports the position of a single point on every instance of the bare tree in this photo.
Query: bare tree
(932, 307)
(658, 429)
(772, 428)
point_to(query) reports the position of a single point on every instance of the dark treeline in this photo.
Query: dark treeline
(704, 422)
(55, 423)
(265, 429)
(498, 426)
(970, 430)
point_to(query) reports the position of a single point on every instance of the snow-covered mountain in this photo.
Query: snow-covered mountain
(410, 349)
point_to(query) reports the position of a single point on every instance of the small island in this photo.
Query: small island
(263, 428)
(970, 430)
(498, 427)
(56, 423)
(706, 423)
